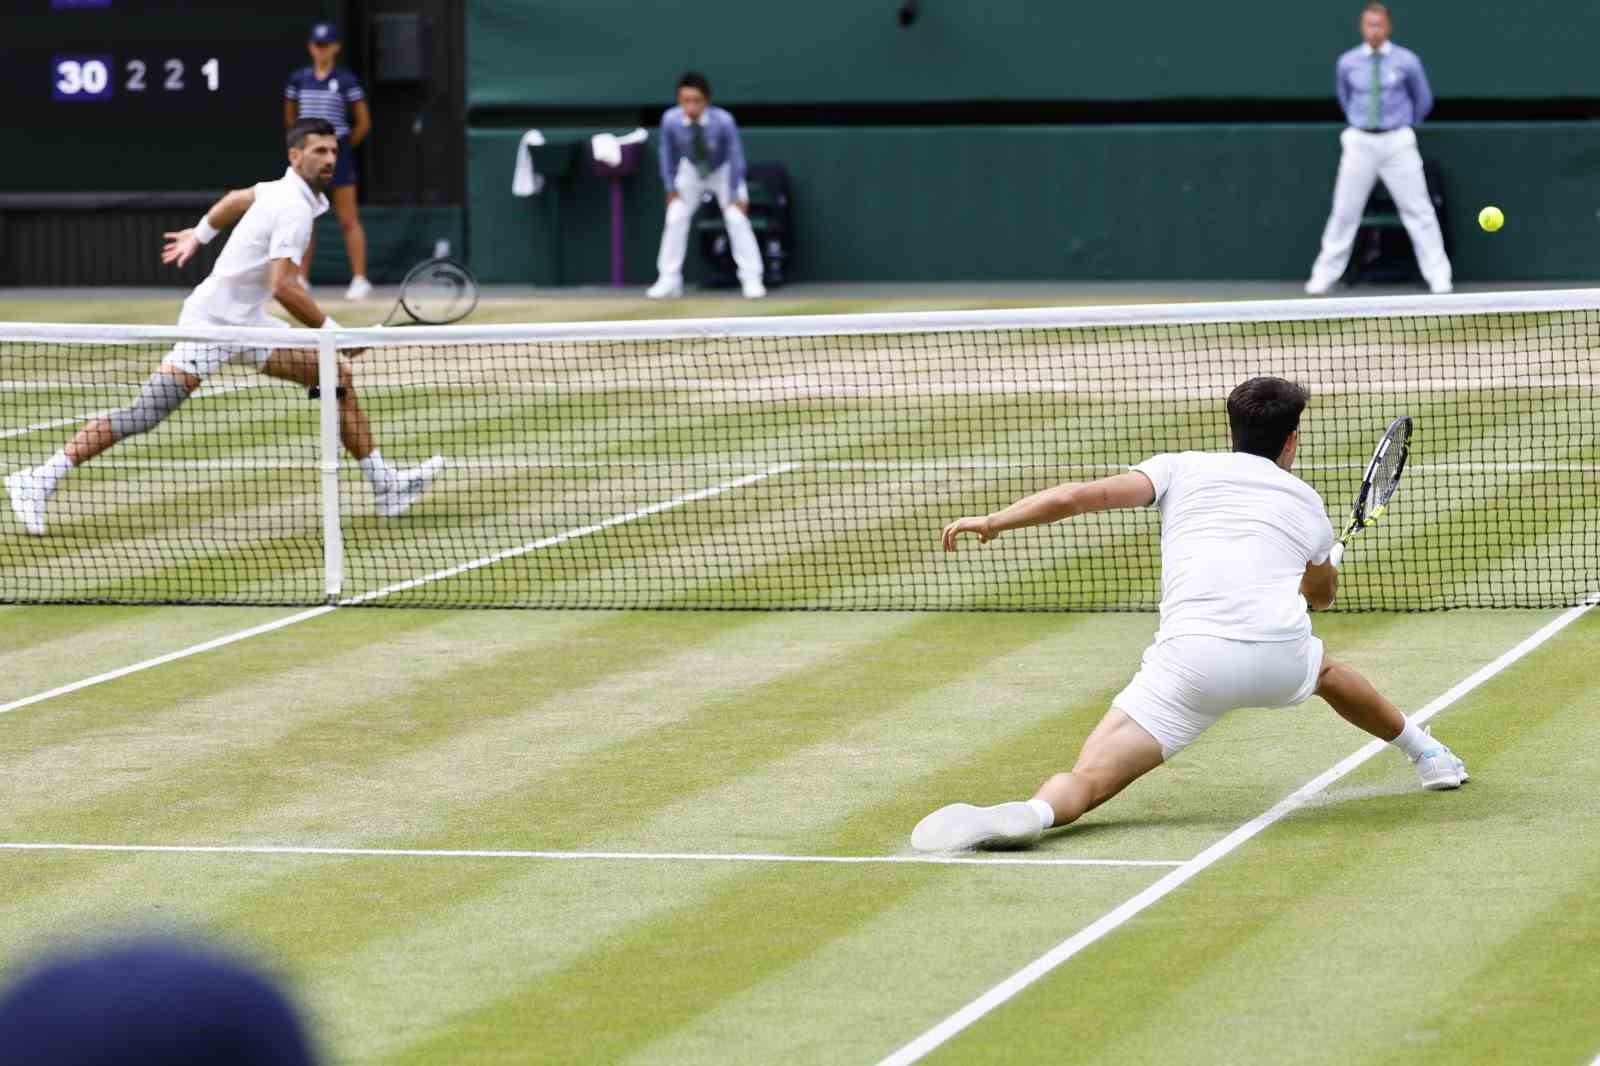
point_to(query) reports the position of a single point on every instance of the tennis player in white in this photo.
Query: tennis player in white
(260, 261)
(1244, 549)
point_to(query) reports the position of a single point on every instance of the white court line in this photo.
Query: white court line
(160, 660)
(1106, 923)
(399, 586)
(73, 420)
(54, 423)
(598, 856)
(562, 538)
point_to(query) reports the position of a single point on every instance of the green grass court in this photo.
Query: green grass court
(672, 837)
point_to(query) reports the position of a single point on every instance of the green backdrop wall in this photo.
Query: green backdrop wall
(1147, 201)
(554, 53)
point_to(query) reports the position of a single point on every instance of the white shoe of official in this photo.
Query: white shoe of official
(961, 825)
(753, 290)
(665, 289)
(1441, 290)
(360, 288)
(408, 486)
(27, 500)
(1439, 768)
(1317, 288)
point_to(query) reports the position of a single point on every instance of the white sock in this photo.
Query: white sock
(52, 471)
(1412, 741)
(379, 473)
(1046, 813)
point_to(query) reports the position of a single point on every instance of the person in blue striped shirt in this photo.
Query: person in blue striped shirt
(325, 90)
(700, 153)
(1383, 92)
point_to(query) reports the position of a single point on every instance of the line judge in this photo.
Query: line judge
(1384, 93)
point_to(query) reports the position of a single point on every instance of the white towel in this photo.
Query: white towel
(525, 181)
(607, 147)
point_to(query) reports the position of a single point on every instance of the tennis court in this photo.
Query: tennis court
(681, 836)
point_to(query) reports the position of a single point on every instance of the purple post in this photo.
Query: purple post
(615, 173)
(616, 232)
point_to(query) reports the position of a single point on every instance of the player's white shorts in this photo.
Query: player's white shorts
(202, 359)
(1185, 684)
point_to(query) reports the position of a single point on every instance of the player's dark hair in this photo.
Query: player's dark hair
(1382, 9)
(307, 127)
(693, 79)
(1262, 413)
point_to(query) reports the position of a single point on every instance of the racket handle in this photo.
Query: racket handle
(1337, 555)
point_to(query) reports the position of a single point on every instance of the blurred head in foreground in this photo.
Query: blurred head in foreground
(148, 1003)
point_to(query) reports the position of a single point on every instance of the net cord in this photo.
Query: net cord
(1178, 314)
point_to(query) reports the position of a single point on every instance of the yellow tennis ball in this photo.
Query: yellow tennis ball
(1491, 219)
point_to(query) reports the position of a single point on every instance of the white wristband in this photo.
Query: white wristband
(328, 323)
(204, 231)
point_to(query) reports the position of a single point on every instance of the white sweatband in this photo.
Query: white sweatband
(328, 323)
(204, 231)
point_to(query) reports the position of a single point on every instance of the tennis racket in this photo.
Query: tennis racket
(1377, 487)
(436, 293)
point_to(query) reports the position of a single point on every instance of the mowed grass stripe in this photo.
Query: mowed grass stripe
(384, 765)
(1345, 932)
(1015, 760)
(312, 902)
(655, 794)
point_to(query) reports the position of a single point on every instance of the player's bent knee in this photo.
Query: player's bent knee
(678, 211)
(161, 395)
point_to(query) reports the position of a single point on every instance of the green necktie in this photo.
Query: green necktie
(697, 149)
(1375, 102)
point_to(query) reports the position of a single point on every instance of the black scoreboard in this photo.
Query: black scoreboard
(150, 64)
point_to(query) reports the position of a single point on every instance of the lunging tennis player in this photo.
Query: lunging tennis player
(259, 262)
(1244, 548)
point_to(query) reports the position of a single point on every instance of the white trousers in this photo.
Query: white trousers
(690, 187)
(1366, 158)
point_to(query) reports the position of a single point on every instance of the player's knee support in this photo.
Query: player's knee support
(161, 395)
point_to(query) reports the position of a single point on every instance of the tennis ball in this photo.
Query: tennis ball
(1491, 219)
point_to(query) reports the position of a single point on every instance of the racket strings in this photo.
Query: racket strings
(438, 293)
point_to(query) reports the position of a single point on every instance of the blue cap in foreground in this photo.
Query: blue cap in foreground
(149, 1003)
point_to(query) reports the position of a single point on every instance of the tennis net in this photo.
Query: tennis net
(801, 463)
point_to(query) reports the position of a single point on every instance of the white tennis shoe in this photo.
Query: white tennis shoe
(27, 500)
(360, 288)
(665, 289)
(961, 826)
(753, 290)
(1439, 768)
(407, 487)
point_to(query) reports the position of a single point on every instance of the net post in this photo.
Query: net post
(328, 463)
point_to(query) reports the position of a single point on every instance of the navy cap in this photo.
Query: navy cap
(324, 33)
(149, 1003)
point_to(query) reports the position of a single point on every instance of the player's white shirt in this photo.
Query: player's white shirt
(1237, 532)
(276, 226)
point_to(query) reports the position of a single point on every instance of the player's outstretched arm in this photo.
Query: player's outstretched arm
(183, 244)
(1132, 489)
